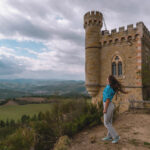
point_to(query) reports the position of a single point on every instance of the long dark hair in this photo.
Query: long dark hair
(116, 85)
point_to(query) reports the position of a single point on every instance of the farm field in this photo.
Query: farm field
(16, 111)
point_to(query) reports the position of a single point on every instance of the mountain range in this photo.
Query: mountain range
(30, 87)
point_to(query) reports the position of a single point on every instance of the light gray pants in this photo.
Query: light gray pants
(108, 117)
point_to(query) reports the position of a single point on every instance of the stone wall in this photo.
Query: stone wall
(146, 63)
(130, 44)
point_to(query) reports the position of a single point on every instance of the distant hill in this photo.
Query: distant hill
(30, 87)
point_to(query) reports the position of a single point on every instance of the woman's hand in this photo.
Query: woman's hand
(106, 105)
(104, 111)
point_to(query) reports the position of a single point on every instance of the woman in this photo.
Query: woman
(113, 86)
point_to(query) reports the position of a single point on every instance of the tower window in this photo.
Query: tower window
(113, 68)
(119, 68)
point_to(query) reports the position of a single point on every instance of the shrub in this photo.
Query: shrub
(12, 123)
(34, 118)
(23, 138)
(88, 117)
(2, 123)
(40, 116)
(6, 131)
(45, 135)
(65, 118)
(63, 143)
(25, 119)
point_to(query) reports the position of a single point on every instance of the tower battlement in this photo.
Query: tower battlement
(146, 34)
(93, 18)
(122, 34)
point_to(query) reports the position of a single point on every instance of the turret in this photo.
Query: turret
(92, 26)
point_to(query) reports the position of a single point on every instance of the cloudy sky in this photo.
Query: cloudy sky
(45, 39)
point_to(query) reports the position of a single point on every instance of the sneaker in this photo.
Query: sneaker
(116, 140)
(107, 138)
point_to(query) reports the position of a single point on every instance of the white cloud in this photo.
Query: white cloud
(59, 26)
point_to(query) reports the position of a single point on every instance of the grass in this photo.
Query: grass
(16, 111)
(105, 142)
(134, 142)
(146, 143)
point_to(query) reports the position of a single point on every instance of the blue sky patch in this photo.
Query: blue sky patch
(22, 48)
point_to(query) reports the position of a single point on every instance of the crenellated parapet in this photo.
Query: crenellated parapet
(93, 18)
(128, 34)
(146, 31)
(146, 34)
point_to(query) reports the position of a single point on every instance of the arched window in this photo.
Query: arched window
(119, 68)
(113, 68)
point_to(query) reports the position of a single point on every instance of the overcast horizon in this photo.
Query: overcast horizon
(45, 39)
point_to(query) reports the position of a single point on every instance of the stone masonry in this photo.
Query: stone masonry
(131, 46)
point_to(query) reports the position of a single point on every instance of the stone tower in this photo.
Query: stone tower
(123, 53)
(92, 25)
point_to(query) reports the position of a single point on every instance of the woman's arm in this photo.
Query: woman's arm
(106, 105)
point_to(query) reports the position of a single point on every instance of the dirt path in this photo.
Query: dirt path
(134, 130)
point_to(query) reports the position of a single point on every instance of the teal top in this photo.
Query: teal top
(108, 92)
